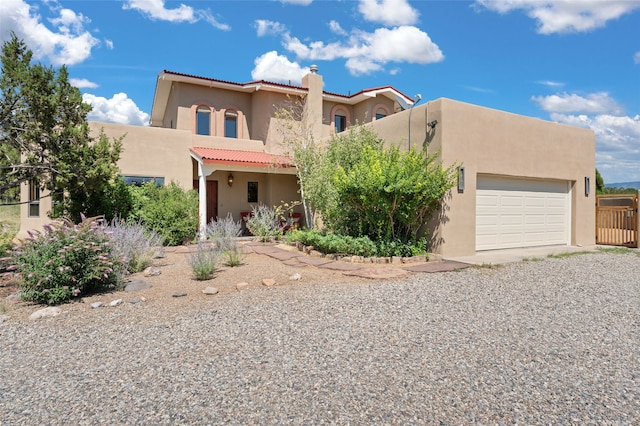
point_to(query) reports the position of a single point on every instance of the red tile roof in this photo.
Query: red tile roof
(241, 158)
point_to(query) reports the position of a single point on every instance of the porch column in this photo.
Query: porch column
(203, 172)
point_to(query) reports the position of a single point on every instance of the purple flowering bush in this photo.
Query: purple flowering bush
(65, 261)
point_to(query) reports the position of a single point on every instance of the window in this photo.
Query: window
(203, 121)
(141, 180)
(341, 123)
(380, 115)
(252, 192)
(231, 124)
(34, 199)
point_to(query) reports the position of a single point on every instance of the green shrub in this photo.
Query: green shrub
(136, 245)
(204, 261)
(265, 223)
(334, 243)
(6, 237)
(223, 233)
(112, 200)
(65, 261)
(169, 210)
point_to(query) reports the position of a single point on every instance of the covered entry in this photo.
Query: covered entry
(514, 212)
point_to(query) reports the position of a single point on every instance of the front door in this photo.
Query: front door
(212, 198)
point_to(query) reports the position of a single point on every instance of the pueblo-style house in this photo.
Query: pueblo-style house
(521, 181)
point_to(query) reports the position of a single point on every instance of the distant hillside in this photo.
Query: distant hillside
(635, 185)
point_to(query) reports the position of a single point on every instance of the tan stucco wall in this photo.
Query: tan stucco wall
(160, 152)
(488, 141)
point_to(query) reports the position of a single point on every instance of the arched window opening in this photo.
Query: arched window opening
(231, 124)
(203, 121)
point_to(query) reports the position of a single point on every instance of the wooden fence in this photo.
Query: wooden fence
(617, 220)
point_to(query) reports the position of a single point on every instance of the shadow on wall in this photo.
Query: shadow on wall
(439, 218)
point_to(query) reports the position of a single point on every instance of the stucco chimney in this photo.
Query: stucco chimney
(313, 102)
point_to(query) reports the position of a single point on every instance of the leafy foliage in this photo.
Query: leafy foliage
(327, 243)
(365, 189)
(44, 134)
(169, 210)
(204, 261)
(65, 261)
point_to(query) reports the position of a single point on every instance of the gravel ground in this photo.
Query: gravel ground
(555, 341)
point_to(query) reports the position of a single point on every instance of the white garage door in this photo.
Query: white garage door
(514, 212)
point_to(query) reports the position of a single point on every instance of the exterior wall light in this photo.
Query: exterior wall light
(230, 179)
(432, 124)
(587, 182)
(461, 179)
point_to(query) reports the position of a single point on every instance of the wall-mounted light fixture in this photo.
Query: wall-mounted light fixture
(587, 182)
(230, 179)
(461, 179)
(432, 124)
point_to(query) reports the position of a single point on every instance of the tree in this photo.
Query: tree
(599, 183)
(293, 122)
(383, 193)
(44, 134)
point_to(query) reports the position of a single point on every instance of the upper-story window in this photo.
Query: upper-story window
(380, 111)
(340, 118)
(340, 123)
(203, 121)
(231, 124)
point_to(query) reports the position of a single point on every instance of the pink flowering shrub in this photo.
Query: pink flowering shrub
(65, 261)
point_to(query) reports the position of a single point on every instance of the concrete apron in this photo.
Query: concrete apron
(494, 257)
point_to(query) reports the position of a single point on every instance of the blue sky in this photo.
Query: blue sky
(575, 62)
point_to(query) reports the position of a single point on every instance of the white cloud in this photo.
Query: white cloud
(82, 83)
(617, 135)
(617, 144)
(156, 10)
(636, 58)
(335, 28)
(594, 103)
(388, 12)
(368, 52)
(561, 16)
(274, 67)
(297, 2)
(551, 83)
(67, 43)
(109, 44)
(119, 109)
(265, 27)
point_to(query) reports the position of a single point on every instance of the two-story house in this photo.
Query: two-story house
(522, 181)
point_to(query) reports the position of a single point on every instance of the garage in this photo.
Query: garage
(513, 212)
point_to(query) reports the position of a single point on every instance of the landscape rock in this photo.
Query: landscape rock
(136, 300)
(151, 272)
(51, 311)
(137, 285)
(269, 282)
(210, 290)
(115, 302)
(295, 277)
(14, 297)
(179, 294)
(242, 286)
(95, 305)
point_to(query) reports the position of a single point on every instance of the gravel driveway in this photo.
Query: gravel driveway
(555, 341)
